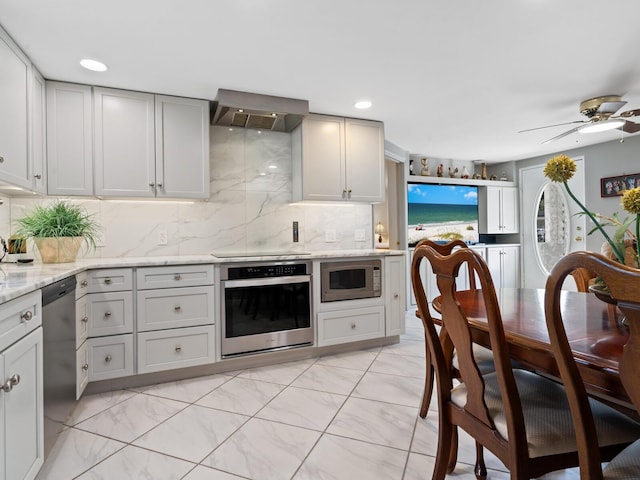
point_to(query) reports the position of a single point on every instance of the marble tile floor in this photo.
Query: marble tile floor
(345, 416)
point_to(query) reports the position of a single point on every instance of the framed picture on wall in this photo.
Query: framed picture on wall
(615, 186)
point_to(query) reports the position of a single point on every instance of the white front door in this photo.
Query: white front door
(563, 221)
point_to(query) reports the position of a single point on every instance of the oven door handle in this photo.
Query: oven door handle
(259, 282)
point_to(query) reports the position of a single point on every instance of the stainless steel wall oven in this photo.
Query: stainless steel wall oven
(265, 306)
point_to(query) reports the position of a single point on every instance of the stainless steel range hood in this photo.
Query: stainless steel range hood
(252, 110)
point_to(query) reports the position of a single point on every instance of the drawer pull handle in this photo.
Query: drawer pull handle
(177, 276)
(84, 283)
(353, 326)
(84, 319)
(107, 281)
(10, 383)
(26, 316)
(85, 367)
(177, 308)
(395, 295)
(1, 159)
(108, 359)
(107, 314)
(178, 349)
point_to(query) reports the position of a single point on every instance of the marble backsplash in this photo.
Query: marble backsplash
(249, 208)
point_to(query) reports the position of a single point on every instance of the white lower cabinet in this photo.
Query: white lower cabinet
(174, 308)
(21, 388)
(394, 285)
(82, 365)
(110, 357)
(110, 313)
(176, 348)
(350, 325)
(504, 265)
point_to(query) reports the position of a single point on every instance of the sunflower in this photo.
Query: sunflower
(560, 168)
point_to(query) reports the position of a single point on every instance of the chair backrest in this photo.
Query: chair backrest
(624, 286)
(583, 278)
(447, 249)
(455, 322)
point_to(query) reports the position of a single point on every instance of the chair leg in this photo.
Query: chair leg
(453, 451)
(480, 469)
(446, 432)
(428, 388)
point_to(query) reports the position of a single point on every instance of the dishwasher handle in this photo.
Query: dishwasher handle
(59, 289)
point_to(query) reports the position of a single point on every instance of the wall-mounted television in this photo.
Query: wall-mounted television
(442, 212)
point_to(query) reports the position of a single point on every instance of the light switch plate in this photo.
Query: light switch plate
(359, 235)
(329, 236)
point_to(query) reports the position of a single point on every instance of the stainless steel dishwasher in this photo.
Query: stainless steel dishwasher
(59, 356)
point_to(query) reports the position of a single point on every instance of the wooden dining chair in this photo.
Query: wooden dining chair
(521, 417)
(583, 278)
(482, 354)
(624, 286)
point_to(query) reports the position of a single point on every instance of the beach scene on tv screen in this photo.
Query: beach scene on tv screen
(442, 213)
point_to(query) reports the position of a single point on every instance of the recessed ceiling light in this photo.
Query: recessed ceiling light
(363, 104)
(93, 65)
(602, 126)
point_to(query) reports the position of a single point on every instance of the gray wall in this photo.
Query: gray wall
(601, 160)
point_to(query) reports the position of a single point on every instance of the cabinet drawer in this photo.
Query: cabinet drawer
(109, 280)
(174, 308)
(182, 347)
(82, 369)
(350, 325)
(19, 317)
(174, 276)
(110, 357)
(82, 284)
(82, 321)
(110, 313)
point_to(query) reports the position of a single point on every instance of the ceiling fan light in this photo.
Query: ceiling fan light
(602, 126)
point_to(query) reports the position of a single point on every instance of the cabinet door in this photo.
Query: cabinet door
(38, 131)
(394, 288)
(82, 369)
(494, 262)
(182, 147)
(509, 210)
(14, 88)
(511, 267)
(494, 207)
(69, 139)
(124, 142)
(23, 408)
(364, 144)
(323, 158)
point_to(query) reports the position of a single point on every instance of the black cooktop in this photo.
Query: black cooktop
(257, 254)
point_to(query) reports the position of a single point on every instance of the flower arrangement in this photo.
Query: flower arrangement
(561, 168)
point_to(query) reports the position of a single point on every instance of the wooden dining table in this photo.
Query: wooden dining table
(595, 331)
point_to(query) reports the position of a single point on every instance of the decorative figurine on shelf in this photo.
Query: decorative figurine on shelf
(465, 173)
(493, 177)
(452, 173)
(425, 167)
(411, 167)
(440, 170)
(476, 176)
(484, 171)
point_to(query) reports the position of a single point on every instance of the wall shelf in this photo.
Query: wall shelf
(458, 181)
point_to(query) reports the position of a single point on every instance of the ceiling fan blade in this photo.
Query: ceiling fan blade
(556, 125)
(610, 107)
(562, 135)
(630, 113)
(630, 127)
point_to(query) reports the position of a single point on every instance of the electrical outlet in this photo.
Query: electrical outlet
(359, 235)
(162, 237)
(330, 236)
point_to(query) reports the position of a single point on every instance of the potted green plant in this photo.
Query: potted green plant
(58, 230)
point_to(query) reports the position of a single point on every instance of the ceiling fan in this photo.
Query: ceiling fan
(600, 113)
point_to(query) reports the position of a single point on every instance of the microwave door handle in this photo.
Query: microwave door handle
(259, 282)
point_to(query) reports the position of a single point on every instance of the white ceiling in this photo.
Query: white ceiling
(451, 79)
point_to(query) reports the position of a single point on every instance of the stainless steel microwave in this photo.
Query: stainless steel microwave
(350, 280)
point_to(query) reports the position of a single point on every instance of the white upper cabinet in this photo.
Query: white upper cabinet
(15, 72)
(38, 133)
(69, 139)
(498, 210)
(182, 147)
(338, 159)
(124, 139)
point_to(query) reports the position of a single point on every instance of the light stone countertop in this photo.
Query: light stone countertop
(18, 279)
